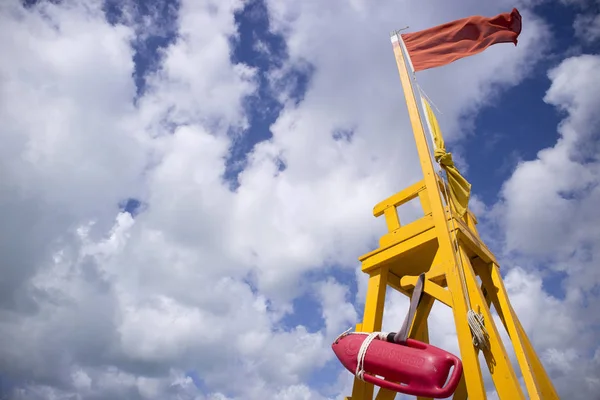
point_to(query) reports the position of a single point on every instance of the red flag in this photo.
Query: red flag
(454, 40)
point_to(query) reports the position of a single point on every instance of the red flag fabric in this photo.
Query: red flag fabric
(454, 40)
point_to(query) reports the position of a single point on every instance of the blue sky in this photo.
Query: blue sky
(528, 124)
(515, 126)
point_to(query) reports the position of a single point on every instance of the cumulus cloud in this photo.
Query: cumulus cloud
(587, 27)
(551, 226)
(187, 299)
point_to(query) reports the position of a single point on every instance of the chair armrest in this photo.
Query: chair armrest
(403, 196)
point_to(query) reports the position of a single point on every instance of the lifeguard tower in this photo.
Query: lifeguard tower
(460, 270)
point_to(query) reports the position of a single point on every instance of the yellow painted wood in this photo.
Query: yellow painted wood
(475, 245)
(501, 304)
(372, 319)
(546, 387)
(418, 331)
(428, 245)
(388, 255)
(429, 176)
(402, 197)
(391, 219)
(499, 364)
(421, 328)
(385, 394)
(461, 391)
(394, 282)
(536, 380)
(431, 288)
(407, 231)
(471, 222)
(442, 233)
(470, 361)
(425, 205)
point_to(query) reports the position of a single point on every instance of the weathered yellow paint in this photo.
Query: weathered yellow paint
(447, 248)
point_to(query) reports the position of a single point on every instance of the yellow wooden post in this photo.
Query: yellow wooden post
(448, 258)
(372, 319)
(499, 365)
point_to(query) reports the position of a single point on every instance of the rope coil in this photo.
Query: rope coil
(475, 320)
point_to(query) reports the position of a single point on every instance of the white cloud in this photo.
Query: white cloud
(587, 27)
(112, 307)
(559, 188)
(549, 217)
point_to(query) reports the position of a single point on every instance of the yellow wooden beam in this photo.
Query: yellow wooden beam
(407, 231)
(372, 319)
(546, 387)
(474, 379)
(402, 197)
(431, 288)
(388, 255)
(425, 205)
(461, 391)
(391, 219)
(474, 244)
(536, 380)
(499, 364)
(394, 282)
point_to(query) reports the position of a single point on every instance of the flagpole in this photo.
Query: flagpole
(446, 252)
(420, 106)
(423, 149)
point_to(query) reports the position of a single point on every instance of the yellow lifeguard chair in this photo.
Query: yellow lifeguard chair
(444, 245)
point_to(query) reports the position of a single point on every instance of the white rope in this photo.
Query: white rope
(480, 335)
(362, 352)
(422, 91)
(341, 335)
(360, 358)
(475, 320)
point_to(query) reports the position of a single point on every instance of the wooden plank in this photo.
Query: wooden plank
(407, 231)
(403, 196)
(389, 254)
(431, 288)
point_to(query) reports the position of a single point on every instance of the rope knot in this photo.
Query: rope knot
(444, 158)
